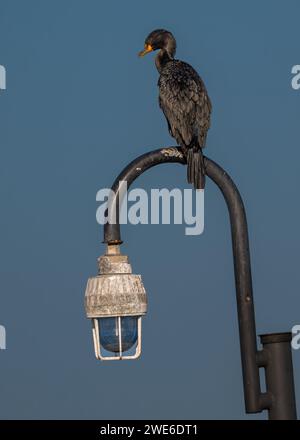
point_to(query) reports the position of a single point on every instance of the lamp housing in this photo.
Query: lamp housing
(115, 301)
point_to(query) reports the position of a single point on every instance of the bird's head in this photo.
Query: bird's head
(160, 39)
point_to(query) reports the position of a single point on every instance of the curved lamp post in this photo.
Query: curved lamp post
(116, 300)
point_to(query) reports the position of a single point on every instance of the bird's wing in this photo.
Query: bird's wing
(166, 116)
(185, 103)
(203, 112)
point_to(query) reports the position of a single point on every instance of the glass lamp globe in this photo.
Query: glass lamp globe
(118, 334)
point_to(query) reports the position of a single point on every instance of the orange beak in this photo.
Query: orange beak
(148, 48)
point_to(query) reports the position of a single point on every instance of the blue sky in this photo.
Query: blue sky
(79, 105)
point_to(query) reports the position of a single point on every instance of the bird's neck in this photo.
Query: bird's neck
(162, 58)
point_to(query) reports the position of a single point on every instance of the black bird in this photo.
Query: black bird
(184, 100)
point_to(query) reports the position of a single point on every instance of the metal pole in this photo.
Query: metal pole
(255, 400)
(277, 353)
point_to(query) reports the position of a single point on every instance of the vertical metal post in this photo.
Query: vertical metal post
(254, 400)
(278, 365)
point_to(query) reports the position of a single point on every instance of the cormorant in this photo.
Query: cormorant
(184, 101)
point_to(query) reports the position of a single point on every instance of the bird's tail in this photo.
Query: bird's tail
(195, 168)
